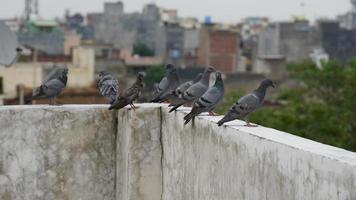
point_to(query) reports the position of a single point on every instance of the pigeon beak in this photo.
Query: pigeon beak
(273, 85)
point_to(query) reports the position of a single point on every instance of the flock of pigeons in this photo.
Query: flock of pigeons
(196, 92)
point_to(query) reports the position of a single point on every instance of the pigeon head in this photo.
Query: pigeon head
(169, 66)
(210, 69)
(267, 83)
(63, 78)
(102, 74)
(19, 50)
(206, 75)
(65, 72)
(171, 69)
(218, 75)
(140, 76)
(218, 80)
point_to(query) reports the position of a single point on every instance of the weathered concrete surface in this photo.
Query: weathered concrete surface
(139, 154)
(86, 152)
(49, 152)
(202, 161)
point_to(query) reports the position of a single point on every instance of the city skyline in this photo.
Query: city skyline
(222, 11)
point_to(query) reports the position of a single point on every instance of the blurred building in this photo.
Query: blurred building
(252, 26)
(31, 74)
(123, 30)
(348, 20)
(71, 40)
(76, 23)
(14, 24)
(284, 42)
(43, 35)
(219, 46)
(191, 28)
(113, 26)
(174, 40)
(150, 30)
(339, 43)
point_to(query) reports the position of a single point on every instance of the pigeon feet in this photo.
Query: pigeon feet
(250, 125)
(212, 114)
(133, 106)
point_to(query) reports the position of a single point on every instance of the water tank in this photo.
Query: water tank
(207, 20)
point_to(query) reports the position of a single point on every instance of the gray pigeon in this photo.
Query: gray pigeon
(177, 93)
(195, 91)
(208, 101)
(128, 96)
(51, 89)
(168, 84)
(247, 104)
(108, 86)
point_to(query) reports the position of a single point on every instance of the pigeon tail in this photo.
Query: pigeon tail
(188, 120)
(28, 100)
(156, 100)
(225, 119)
(221, 122)
(120, 103)
(111, 107)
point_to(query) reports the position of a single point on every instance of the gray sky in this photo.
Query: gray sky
(220, 10)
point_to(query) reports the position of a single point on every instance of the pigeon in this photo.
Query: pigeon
(176, 94)
(127, 97)
(207, 102)
(195, 91)
(247, 104)
(168, 84)
(108, 86)
(51, 89)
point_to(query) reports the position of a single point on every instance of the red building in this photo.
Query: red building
(219, 47)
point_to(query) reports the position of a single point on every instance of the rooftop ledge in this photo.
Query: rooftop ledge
(260, 131)
(88, 152)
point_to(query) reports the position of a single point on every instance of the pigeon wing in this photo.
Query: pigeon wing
(109, 89)
(194, 92)
(53, 87)
(247, 104)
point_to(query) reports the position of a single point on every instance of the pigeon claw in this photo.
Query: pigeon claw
(212, 114)
(250, 125)
(133, 106)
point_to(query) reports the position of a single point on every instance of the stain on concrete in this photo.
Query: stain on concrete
(6, 196)
(1, 167)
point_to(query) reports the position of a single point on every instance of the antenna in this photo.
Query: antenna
(302, 6)
(353, 2)
(31, 8)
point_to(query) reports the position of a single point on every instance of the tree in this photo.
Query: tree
(142, 49)
(154, 75)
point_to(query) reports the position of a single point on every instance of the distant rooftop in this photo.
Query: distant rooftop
(48, 23)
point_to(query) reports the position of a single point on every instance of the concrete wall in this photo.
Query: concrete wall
(202, 161)
(84, 152)
(57, 153)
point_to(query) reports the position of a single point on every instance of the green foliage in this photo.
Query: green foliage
(321, 108)
(154, 74)
(142, 50)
